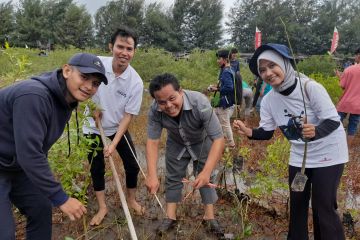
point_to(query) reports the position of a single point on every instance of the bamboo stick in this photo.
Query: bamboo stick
(118, 185)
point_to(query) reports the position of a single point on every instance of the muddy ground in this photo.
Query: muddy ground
(249, 220)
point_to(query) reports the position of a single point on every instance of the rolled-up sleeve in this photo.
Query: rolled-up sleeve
(154, 127)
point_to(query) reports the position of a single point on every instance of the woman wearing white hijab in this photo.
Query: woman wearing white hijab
(327, 151)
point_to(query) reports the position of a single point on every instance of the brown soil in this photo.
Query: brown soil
(265, 222)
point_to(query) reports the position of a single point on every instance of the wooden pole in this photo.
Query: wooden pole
(143, 173)
(118, 185)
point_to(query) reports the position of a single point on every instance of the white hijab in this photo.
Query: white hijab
(284, 64)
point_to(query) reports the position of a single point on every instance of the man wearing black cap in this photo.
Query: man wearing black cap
(33, 116)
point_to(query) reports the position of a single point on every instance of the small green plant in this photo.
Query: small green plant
(273, 170)
(74, 170)
(17, 63)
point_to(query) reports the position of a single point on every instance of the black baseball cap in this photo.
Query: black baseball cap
(89, 63)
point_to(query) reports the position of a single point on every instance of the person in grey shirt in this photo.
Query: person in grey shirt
(193, 134)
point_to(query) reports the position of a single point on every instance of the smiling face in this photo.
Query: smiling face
(271, 73)
(123, 51)
(80, 86)
(169, 100)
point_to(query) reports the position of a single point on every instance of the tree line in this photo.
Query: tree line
(185, 25)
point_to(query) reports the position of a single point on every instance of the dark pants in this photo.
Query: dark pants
(98, 164)
(321, 186)
(17, 189)
(353, 122)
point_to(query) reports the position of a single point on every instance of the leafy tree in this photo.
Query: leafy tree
(30, 23)
(197, 23)
(348, 25)
(76, 28)
(115, 13)
(205, 24)
(242, 23)
(157, 31)
(7, 21)
(180, 13)
(55, 14)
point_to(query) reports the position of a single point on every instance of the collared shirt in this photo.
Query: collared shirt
(198, 125)
(123, 94)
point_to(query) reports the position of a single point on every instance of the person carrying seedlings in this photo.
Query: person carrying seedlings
(193, 134)
(294, 95)
(34, 113)
(119, 102)
(349, 103)
(225, 109)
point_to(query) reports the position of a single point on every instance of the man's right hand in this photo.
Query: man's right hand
(152, 183)
(73, 209)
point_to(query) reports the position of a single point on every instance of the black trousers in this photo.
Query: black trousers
(321, 186)
(16, 188)
(98, 164)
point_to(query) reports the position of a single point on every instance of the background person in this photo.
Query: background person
(327, 151)
(33, 116)
(234, 62)
(349, 103)
(225, 109)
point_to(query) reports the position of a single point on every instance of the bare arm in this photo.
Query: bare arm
(123, 127)
(152, 154)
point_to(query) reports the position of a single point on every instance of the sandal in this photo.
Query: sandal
(213, 226)
(165, 226)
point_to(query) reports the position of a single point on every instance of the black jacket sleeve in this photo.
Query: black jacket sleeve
(261, 134)
(30, 121)
(325, 128)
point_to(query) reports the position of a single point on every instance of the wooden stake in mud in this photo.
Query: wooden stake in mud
(143, 173)
(118, 185)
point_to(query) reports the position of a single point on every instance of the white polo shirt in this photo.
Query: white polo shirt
(123, 94)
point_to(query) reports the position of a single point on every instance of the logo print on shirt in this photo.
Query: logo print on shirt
(121, 93)
(293, 129)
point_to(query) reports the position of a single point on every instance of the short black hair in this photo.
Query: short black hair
(234, 50)
(125, 32)
(162, 80)
(357, 51)
(223, 53)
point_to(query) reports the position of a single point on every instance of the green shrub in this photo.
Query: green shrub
(331, 84)
(323, 64)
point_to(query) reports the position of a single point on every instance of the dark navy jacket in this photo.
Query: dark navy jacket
(226, 80)
(33, 115)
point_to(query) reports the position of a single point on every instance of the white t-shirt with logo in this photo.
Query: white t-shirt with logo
(285, 112)
(123, 94)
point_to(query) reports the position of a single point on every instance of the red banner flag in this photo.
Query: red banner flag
(335, 40)
(257, 38)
